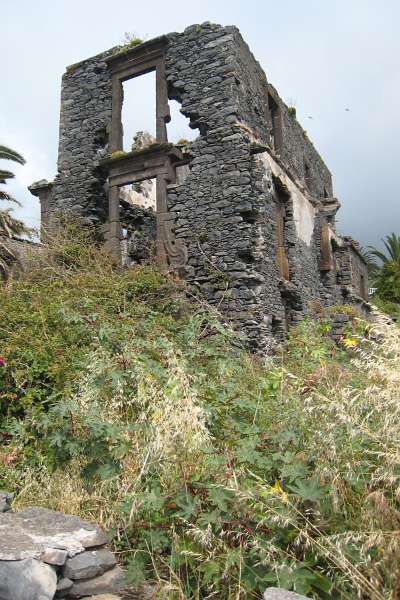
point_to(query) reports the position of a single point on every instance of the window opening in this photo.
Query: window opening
(281, 257)
(276, 123)
(326, 251)
(179, 130)
(363, 287)
(138, 107)
(141, 193)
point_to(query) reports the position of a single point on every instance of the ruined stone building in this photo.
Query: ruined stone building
(245, 212)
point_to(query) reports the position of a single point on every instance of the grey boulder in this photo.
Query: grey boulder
(109, 582)
(89, 564)
(27, 579)
(273, 593)
(33, 531)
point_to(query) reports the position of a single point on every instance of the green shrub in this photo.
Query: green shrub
(219, 473)
(130, 40)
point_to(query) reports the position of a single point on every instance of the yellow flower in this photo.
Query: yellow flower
(350, 342)
(278, 491)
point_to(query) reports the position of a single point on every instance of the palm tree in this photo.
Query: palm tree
(9, 226)
(370, 261)
(392, 245)
(388, 277)
(8, 154)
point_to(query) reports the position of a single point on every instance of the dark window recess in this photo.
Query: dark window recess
(363, 287)
(326, 256)
(276, 123)
(281, 257)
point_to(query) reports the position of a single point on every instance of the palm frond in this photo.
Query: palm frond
(10, 227)
(370, 260)
(367, 255)
(7, 153)
(4, 175)
(7, 257)
(392, 246)
(8, 198)
(377, 253)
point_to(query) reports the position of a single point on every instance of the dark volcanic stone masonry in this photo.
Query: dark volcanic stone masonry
(251, 223)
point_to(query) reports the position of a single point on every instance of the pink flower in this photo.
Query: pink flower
(2, 361)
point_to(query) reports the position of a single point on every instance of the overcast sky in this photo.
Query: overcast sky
(322, 56)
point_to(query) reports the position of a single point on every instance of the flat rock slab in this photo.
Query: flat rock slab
(109, 582)
(54, 556)
(89, 564)
(31, 532)
(27, 580)
(280, 594)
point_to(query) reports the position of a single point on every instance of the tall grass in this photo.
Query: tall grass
(217, 472)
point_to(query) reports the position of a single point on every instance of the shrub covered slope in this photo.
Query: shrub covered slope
(218, 473)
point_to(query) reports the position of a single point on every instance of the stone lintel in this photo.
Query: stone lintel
(146, 50)
(142, 164)
(37, 187)
(329, 206)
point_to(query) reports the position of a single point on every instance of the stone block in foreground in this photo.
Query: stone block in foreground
(27, 579)
(31, 532)
(46, 554)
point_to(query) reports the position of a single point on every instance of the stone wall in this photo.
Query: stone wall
(225, 210)
(255, 197)
(359, 273)
(295, 149)
(213, 207)
(83, 139)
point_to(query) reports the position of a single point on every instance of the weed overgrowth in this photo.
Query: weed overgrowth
(217, 472)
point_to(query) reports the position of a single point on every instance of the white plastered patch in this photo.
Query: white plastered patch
(303, 210)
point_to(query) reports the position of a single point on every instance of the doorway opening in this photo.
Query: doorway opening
(138, 221)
